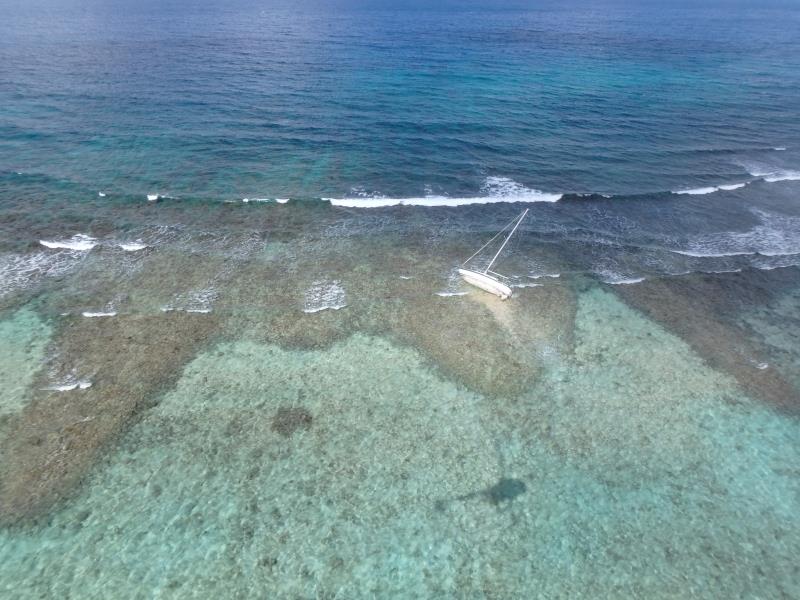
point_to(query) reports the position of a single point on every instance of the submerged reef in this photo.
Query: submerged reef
(400, 435)
(700, 310)
(598, 480)
(53, 441)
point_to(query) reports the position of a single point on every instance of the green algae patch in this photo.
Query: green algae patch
(23, 338)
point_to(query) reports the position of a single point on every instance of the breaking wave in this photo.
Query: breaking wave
(78, 242)
(494, 189)
(711, 189)
(777, 235)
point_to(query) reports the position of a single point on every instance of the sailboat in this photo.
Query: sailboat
(488, 280)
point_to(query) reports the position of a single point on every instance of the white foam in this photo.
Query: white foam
(774, 175)
(776, 235)
(496, 189)
(551, 275)
(711, 189)
(68, 382)
(405, 277)
(782, 176)
(697, 191)
(710, 253)
(772, 267)
(526, 285)
(19, 271)
(262, 200)
(152, 197)
(449, 294)
(196, 301)
(768, 263)
(721, 271)
(68, 387)
(101, 194)
(132, 246)
(78, 242)
(614, 278)
(779, 148)
(108, 313)
(324, 294)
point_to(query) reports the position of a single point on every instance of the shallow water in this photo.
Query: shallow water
(237, 358)
(574, 440)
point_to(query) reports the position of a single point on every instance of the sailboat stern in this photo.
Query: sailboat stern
(486, 282)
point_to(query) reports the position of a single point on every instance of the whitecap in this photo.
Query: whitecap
(68, 387)
(779, 148)
(539, 276)
(711, 189)
(78, 242)
(405, 277)
(91, 314)
(496, 189)
(722, 271)
(263, 200)
(132, 246)
(710, 253)
(101, 194)
(627, 281)
(449, 294)
(324, 294)
(782, 176)
(526, 285)
(696, 191)
(614, 278)
(774, 175)
(152, 197)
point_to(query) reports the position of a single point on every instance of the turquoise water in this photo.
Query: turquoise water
(236, 359)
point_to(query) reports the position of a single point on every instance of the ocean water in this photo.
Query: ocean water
(236, 358)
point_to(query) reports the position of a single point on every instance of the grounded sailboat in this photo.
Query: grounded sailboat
(488, 280)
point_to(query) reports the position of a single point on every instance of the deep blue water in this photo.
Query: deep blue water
(241, 99)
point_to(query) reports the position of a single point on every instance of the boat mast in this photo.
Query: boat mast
(522, 216)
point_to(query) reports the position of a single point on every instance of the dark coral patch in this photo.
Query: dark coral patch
(289, 419)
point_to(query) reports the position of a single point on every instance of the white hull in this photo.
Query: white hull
(486, 282)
